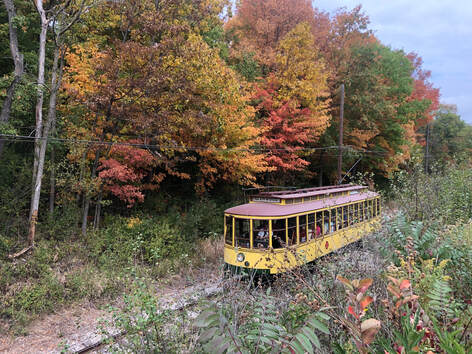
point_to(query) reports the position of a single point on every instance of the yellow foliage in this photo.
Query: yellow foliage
(133, 222)
(302, 77)
(301, 72)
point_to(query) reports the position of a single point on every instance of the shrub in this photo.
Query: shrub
(62, 224)
(148, 327)
(443, 196)
(258, 327)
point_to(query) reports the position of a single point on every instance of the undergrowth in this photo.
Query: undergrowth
(65, 267)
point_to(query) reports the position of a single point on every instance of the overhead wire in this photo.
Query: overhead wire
(29, 138)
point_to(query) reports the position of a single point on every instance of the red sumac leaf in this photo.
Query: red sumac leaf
(352, 312)
(405, 284)
(366, 301)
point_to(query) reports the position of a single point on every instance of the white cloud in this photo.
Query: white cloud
(438, 30)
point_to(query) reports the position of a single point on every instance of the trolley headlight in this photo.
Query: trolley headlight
(240, 257)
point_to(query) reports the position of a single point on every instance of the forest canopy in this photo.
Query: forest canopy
(119, 101)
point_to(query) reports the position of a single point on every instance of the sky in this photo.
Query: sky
(440, 31)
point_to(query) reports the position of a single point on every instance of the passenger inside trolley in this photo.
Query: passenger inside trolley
(318, 229)
(302, 234)
(278, 232)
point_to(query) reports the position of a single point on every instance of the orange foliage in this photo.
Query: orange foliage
(423, 90)
(260, 25)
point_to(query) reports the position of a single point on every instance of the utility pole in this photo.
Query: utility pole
(341, 130)
(426, 150)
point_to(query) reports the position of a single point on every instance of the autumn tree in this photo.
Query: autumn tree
(258, 27)
(425, 96)
(337, 34)
(294, 101)
(378, 85)
(169, 89)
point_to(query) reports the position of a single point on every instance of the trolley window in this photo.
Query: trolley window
(229, 230)
(279, 233)
(319, 224)
(260, 233)
(361, 211)
(339, 218)
(333, 220)
(356, 212)
(351, 214)
(345, 216)
(302, 225)
(326, 222)
(292, 231)
(241, 233)
(311, 226)
(378, 206)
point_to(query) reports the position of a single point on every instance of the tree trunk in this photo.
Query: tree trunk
(56, 76)
(87, 197)
(82, 173)
(98, 210)
(320, 175)
(39, 116)
(42, 133)
(52, 182)
(19, 67)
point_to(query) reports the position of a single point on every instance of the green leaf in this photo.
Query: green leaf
(312, 336)
(206, 318)
(323, 316)
(305, 342)
(223, 346)
(252, 337)
(275, 328)
(297, 347)
(270, 334)
(216, 342)
(207, 335)
(266, 340)
(318, 325)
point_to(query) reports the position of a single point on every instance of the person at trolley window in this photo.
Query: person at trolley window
(262, 238)
(303, 234)
(318, 230)
(263, 233)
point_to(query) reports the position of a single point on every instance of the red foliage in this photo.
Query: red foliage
(286, 130)
(423, 90)
(123, 173)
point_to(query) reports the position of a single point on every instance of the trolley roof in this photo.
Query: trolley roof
(277, 210)
(308, 192)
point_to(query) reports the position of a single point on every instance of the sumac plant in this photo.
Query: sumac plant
(262, 331)
(362, 330)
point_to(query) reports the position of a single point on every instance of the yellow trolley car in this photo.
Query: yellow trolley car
(280, 230)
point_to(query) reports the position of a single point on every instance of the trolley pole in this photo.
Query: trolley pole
(426, 151)
(341, 131)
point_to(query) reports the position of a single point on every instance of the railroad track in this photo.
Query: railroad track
(195, 294)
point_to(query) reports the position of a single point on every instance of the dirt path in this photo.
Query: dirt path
(46, 334)
(71, 329)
